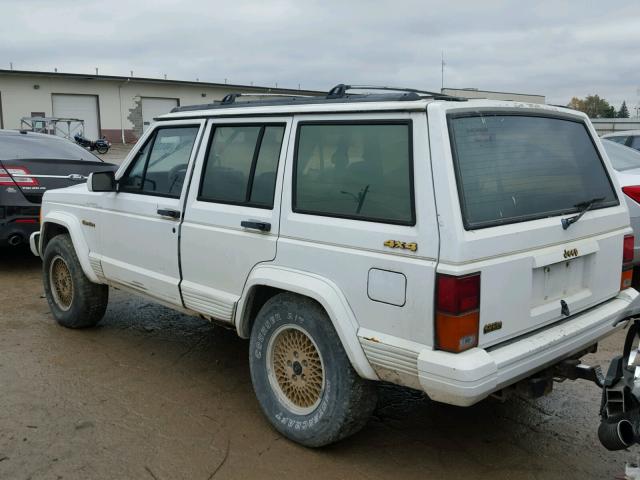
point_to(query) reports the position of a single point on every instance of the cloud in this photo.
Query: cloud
(558, 49)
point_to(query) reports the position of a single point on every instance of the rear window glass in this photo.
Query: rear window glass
(513, 168)
(17, 147)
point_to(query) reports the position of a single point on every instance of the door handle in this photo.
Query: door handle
(167, 212)
(252, 224)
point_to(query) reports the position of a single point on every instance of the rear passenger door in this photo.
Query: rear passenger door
(232, 216)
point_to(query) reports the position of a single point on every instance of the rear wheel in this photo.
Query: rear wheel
(75, 301)
(302, 376)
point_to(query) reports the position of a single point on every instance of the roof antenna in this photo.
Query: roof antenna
(442, 64)
(10, 65)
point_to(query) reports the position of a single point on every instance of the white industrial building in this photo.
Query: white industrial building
(122, 108)
(119, 108)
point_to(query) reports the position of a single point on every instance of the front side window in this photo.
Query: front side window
(160, 166)
(241, 165)
(513, 168)
(357, 171)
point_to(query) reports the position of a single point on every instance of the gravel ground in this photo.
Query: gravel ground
(153, 394)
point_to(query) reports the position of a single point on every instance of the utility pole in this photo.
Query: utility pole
(442, 64)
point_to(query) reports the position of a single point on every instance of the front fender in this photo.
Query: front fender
(72, 224)
(326, 293)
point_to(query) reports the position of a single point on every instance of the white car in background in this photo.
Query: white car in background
(630, 138)
(626, 163)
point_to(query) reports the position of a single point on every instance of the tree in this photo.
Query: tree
(594, 106)
(624, 111)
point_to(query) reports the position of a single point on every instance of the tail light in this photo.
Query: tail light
(627, 257)
(457, 312)
(632, 191)
(10, 176)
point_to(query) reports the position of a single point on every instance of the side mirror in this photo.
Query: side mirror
(101, 182)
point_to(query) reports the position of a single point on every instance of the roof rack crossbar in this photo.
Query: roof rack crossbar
(340, 91)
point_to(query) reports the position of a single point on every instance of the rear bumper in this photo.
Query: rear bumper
(12, 233)
(466, 378)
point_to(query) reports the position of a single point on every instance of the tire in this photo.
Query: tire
(74, 300)
(327, 400)
(102, 150)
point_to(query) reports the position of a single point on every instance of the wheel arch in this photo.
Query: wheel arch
(267, 281)
(59, 223)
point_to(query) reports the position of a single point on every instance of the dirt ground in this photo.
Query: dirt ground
(152, 394)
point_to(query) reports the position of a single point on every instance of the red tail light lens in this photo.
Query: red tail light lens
(17, 176)
(627, 249)
(456, 295)
(457, 316)
(632, 191)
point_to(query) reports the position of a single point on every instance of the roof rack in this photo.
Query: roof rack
(338, 94)
(340, 91)
(231, 97)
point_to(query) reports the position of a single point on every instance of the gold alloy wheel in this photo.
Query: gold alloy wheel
(61, 283)
(295, 369)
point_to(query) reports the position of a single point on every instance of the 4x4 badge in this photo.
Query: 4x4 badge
(398, 244)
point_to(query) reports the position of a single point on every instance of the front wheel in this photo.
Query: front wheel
(102, 150)
(74, 300)
(302, 376)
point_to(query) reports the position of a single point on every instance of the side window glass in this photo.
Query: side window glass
(132, 180)
(621, 140)
(241, 165)
(635, 142)
(358, 171)
(161, 165)
(264, 179)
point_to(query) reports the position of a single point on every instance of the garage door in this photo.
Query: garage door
(84, 107)
(153, 107)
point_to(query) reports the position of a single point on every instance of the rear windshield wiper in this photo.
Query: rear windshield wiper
(585, 206)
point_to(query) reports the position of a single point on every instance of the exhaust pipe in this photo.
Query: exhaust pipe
(15, 240)
(616, 436)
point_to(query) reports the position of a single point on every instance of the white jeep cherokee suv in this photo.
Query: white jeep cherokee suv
(453, 246)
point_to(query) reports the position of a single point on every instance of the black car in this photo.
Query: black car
(30, 164)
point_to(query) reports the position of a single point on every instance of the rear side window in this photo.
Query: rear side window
(621, 140)
(241, 165)
(513, 168)
(359, 171)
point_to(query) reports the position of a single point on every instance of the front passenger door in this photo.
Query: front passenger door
(139, 235)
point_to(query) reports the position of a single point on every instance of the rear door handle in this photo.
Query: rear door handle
(252, 224)
(167, 212)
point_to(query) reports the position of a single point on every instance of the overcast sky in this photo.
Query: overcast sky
(554, 48)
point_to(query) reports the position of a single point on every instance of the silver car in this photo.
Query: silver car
(626, 162)
(630, 138)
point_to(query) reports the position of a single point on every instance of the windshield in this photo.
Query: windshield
(32, 147)
(622, 158)
(513, 168)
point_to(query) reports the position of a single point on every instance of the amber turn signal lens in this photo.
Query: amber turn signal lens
(456, 333)
(626, 278)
